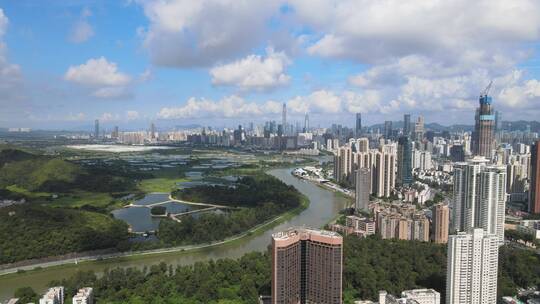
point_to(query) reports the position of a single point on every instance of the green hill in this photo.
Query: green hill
(26, 172)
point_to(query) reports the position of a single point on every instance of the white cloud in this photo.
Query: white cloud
(97, 72)
(11, 78)
(521, 94)
(317, 102)
(3, 22)
(107, 117)
(370, 30)
(253, 72)
(76, 117)
(228, 107)
(102, 77)
(132, 115)
(82, 30)
(186, 33)
(113, 93)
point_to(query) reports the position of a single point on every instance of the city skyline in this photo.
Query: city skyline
(172, 62)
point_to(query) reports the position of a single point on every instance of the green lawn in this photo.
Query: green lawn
(28, 193)
(80, 198)
(160, 184)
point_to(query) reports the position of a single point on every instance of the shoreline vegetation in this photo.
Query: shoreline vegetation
(370, 264)
(261, 228)
(83, 209)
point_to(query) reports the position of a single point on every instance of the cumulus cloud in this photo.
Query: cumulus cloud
(132, 115)
(253, 72)
(11, 79)
(76, 117)
(186, 33)
(429, 55)
(322, 102)
(227, 107)
(107, 117)
(370, 31)
(97, 72)
(82, 30)
(317, 102)
(524, 94)
(102, 76)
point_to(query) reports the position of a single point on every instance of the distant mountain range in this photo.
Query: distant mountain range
(520, 125)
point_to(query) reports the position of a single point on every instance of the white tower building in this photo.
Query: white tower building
(471, 276)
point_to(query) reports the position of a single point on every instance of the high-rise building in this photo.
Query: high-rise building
(404, 162)
(96, 128)
(363, 188)
(441, 220)
(407, 125)
(419, 128)
(534, 199)
(358, 129)
(383, 165)
(479, 197)
(306, 123)
(343, 164)
(362, 145)
(54, 295)
(284, 118)
(483, 138)
(307, 267)
(152, 131)
(388, 129)
(471, 276)
(115, 133)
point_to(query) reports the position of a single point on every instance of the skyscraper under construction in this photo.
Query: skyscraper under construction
(484, 128)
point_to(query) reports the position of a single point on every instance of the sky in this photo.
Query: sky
(219, 63)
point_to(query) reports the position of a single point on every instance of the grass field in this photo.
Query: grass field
(81, 198)
(160, 184)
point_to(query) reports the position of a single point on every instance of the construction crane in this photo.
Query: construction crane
(486, 90)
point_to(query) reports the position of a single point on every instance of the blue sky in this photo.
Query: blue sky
(221, 62)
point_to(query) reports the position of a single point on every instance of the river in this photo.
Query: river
(324, 206)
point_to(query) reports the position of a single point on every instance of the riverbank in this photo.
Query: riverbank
(323, 206)
(259, 228)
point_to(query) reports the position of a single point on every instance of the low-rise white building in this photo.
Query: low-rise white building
(54, 295)
(84, 296)
(414, 296)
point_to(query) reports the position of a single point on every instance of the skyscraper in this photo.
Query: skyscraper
(363, 188)
(306, 267)
(479, 197)
(407, 125)
(306, 123)
(96, 128)
(471, 275)
(483, 138)
(534, 199)
(419, 128)
(358, 128)
(152, 131)
(388, 129)
(404, 165)
(383, 164)
(284, 118)
(441, 219)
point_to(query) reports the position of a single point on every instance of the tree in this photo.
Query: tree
(26, 295)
